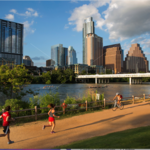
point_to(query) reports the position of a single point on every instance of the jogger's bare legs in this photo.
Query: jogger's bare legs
(53, 126)
(50, 124)
(2, 135)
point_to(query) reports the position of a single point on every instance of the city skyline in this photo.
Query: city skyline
(46, 26)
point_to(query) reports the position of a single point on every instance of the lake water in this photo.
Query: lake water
(79, 90)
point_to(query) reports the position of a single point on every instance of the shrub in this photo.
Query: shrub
(48, 98)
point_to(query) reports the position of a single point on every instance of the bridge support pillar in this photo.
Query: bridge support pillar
(102, 80)
(105, 81)
(135, 81)
(99, 81)
(130, 80)
(108, 81)
(95, 80)
(140, 81)
(76, 80)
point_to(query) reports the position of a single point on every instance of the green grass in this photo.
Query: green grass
(132, 138)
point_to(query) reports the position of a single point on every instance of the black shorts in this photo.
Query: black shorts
(6, 129)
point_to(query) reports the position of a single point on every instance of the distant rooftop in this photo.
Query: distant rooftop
(114, 45)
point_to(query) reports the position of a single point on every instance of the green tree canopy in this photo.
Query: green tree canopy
(13, 80)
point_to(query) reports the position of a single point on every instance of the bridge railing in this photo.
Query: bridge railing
(35, 113)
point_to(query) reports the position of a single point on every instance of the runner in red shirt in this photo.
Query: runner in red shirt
(6, 119)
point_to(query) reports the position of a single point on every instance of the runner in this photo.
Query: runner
(6, 119)
(51, 119)
(118, 96)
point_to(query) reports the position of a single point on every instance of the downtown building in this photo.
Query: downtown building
(62, 56)
(92, 44)
(113, 58)
(72, 59)
(27, 61)
(11, 42)
(135, 60)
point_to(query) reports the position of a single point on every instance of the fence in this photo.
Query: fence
(85, 106)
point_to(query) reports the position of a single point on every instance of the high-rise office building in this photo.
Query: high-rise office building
(65, 56)
(11, 41)
(135, 60)
(88, 27)
(57, 55)
(71, 56)
(27, 61)
(94, 50)
(92, 44)
(113, 57)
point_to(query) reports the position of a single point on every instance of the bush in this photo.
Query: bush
(48, 98)
(16, 104)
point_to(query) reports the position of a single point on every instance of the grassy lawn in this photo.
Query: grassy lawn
(132, 138)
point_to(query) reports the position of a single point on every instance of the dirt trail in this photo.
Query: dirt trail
(31, 135)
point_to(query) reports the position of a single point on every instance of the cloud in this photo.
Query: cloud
(122, 19)
(136, 40)
(74, 1)
(66, 26)
(27, 28)
(13, 11)
(126, 48)
(147, 53)
(146, 43)
(39, 58)
(9, 17)
(29, 13)
(81, 13)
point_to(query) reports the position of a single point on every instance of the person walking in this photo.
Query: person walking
(6, 116)
(51, 119)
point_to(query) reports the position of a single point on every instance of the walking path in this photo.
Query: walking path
(31, 135)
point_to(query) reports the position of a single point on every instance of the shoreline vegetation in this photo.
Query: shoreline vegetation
(45, 99)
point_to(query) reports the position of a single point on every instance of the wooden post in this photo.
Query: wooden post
(104, 102)
(144, 97)
(35, 112)
(86, 104)
(133, 99)
(64, 109)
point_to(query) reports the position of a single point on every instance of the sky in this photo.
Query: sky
(47, 23)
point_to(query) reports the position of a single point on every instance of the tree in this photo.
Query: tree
(83, 72)
(46, 77)
(108, 71)
(13, 80)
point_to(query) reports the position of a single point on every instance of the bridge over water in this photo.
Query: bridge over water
(104, 78)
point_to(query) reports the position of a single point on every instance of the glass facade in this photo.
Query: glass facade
(27, 62)
(66, 56)
(71, 56)
(11, 41)
(88, 27)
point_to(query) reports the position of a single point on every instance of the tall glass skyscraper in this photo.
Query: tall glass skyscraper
(62, 56)
(88, 27)
(11, 41)
(59, 55)
(71, 56)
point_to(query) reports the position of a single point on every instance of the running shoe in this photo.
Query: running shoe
(43, 127)
(10, 142)
(53, 132)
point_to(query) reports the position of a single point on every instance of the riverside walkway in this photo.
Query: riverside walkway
(31, 135)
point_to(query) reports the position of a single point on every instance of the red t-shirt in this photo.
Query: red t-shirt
(4, 116)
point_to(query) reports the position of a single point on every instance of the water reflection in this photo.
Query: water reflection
(80, 90)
